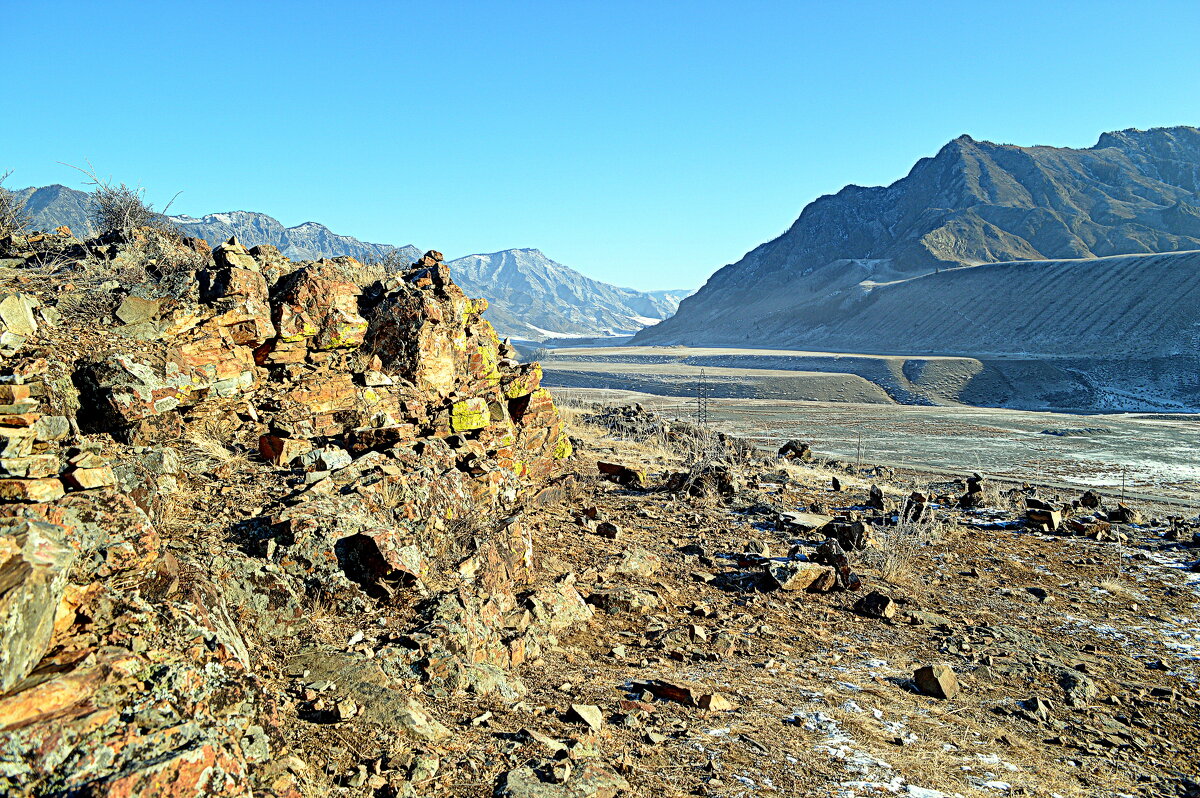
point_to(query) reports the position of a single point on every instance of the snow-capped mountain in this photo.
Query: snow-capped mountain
(536, 298)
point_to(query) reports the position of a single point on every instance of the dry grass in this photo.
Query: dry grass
(902, 545)
(1122, 589)
(211, 450)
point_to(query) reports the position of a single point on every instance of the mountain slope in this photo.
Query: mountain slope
(535, 298)
(52, 206)
(1126, 305)
(972, 203)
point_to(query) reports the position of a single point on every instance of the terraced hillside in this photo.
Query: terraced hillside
(1024, 382)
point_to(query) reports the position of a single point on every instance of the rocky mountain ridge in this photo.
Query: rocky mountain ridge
(533, 297)
(973, 203)
(537, 298)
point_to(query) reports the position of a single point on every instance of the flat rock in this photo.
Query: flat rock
(589, 714)
(587, 780)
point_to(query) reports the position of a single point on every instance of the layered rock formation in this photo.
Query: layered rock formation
(198, 448)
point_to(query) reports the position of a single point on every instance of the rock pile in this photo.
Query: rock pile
(397, 437)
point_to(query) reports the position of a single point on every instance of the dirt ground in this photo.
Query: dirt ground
(1078, 660)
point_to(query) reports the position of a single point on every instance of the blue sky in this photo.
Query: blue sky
(643, 143)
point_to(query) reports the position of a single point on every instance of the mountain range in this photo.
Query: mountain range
(537, 298)
(532, 297)
(916, 266)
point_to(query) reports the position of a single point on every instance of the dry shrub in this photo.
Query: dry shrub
(14, 217)
(471, 523)
(379, 269)
(88, 305)
(117, 208)
(903, 545)
(212, 449)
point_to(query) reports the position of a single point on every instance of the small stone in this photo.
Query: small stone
(758, 547)
(90, 478)
(16, 314)
(938, 681)
(623, 475)
(876, 605)
(134, 310)
(376, 379)
(637, 561)
(1041, 594)
(282, 451)
(345, 709)
(35, 491)
(801, 576)
(549, 742)
(1078, 689)
(715, 702)
(589, 714)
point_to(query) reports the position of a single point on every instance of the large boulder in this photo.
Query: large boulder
(35, 558)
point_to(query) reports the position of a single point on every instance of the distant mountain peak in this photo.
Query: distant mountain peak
(536, 298)
(974, 202)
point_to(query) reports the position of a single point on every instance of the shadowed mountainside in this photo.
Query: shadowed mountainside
(973, 203)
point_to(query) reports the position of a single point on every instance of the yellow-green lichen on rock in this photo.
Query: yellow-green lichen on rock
(489, 355)
(343, 334)
(563, 448)
(470, 414)
(525, 383)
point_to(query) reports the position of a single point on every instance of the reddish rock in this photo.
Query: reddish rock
(30, 490)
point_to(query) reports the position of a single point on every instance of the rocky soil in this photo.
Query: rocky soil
(274, 529)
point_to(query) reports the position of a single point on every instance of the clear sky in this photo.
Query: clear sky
(644, 143)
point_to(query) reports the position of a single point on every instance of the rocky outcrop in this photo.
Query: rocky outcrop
(532, 297)
(388, 434)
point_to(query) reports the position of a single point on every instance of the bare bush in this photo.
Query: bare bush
(393, 261)
(119, 208)
(902, 546)
(14, 217)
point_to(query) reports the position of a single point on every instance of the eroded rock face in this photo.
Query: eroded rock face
(396, 434)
